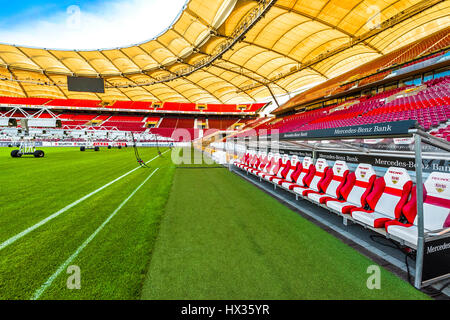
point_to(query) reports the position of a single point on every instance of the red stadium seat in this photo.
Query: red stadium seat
(254, 162)
(272, 167)
(313, 181)
(278, 174)
(355, 190)
(301, 179)
(436, 210)
(241, 160)
(263, 161)
(332, 184)
(245, 159)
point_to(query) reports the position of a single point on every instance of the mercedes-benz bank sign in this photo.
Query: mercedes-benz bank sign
(377, 129)
(433, 249)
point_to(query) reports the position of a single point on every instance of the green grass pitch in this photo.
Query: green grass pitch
(186, 234)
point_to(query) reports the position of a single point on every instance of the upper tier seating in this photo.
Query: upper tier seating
(132, 105)
(135, 105)
(24, 101)
(221, 124)
(215, 108)
(74, 103)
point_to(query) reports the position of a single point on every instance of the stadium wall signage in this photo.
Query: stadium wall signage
(17, 143)
(436, 259)
(299, 153)
(81, 144)
(369, 130)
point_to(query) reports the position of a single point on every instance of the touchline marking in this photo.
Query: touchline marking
(73, 204)
(62, 267)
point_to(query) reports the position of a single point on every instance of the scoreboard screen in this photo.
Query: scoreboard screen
(84, 84)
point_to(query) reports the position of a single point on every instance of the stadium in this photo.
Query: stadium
(252, 150)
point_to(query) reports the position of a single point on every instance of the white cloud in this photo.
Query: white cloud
(115, 24)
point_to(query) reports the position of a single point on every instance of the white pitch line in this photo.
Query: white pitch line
(54, 215)
(62, 267)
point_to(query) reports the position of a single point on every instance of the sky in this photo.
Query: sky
(94, 24)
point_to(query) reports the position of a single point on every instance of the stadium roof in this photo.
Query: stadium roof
(229, 51)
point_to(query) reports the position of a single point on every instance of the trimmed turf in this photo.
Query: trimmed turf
(114, 263)
(33, 188)
(223, 238)
(220, 238)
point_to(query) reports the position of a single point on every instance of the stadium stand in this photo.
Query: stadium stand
(24, 101)
(73, 103)
(374, 70)
(330, 187)
(427, 103)
(132, 105)
(169, 123)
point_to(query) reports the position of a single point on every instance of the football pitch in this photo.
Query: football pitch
(163, 232)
